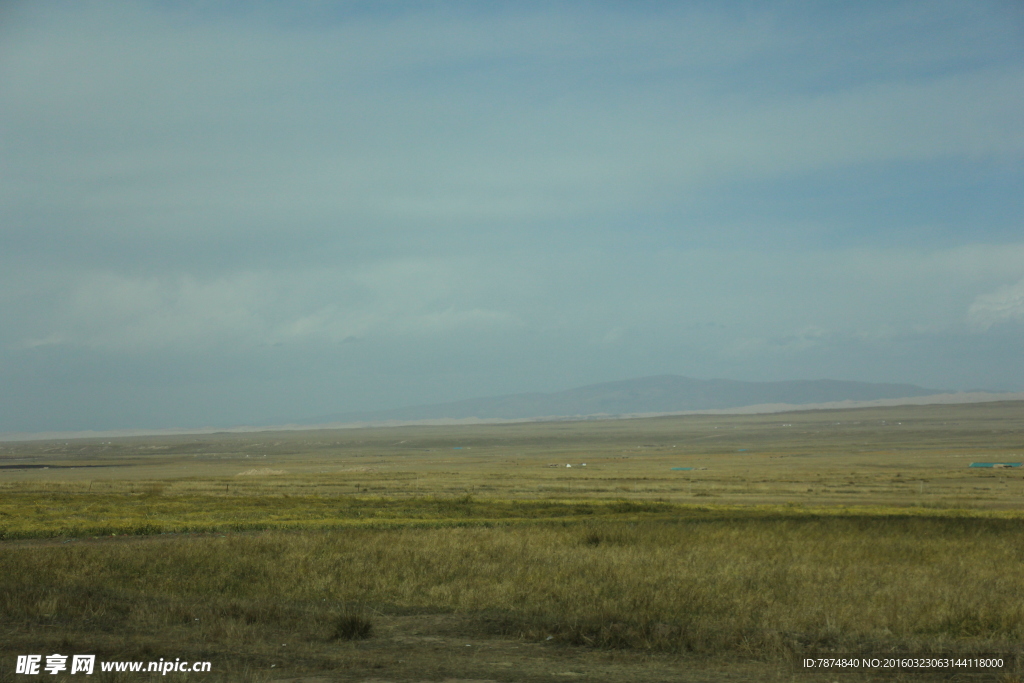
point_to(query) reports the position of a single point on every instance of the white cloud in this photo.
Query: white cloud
(1004, 305)
(452, 320)
(114, 311)
(108, 310)
(777, 302)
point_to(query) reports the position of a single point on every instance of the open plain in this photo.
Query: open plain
(695, 548)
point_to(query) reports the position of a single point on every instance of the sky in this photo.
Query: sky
(230, 213)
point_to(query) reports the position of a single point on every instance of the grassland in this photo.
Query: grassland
(468, 556)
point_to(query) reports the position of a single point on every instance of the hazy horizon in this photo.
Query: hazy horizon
(226, 213)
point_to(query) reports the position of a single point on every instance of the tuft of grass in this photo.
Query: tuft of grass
(352, 626)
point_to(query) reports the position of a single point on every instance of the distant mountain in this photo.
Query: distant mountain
(661, 394)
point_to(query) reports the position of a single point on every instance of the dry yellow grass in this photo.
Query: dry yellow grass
(907, 456)
(790, 542)
(764, 587)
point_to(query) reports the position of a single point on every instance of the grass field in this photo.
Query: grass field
(474, 553)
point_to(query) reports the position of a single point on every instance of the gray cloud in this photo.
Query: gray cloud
(391, 122)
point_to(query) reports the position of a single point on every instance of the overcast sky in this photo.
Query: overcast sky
(223, 213)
